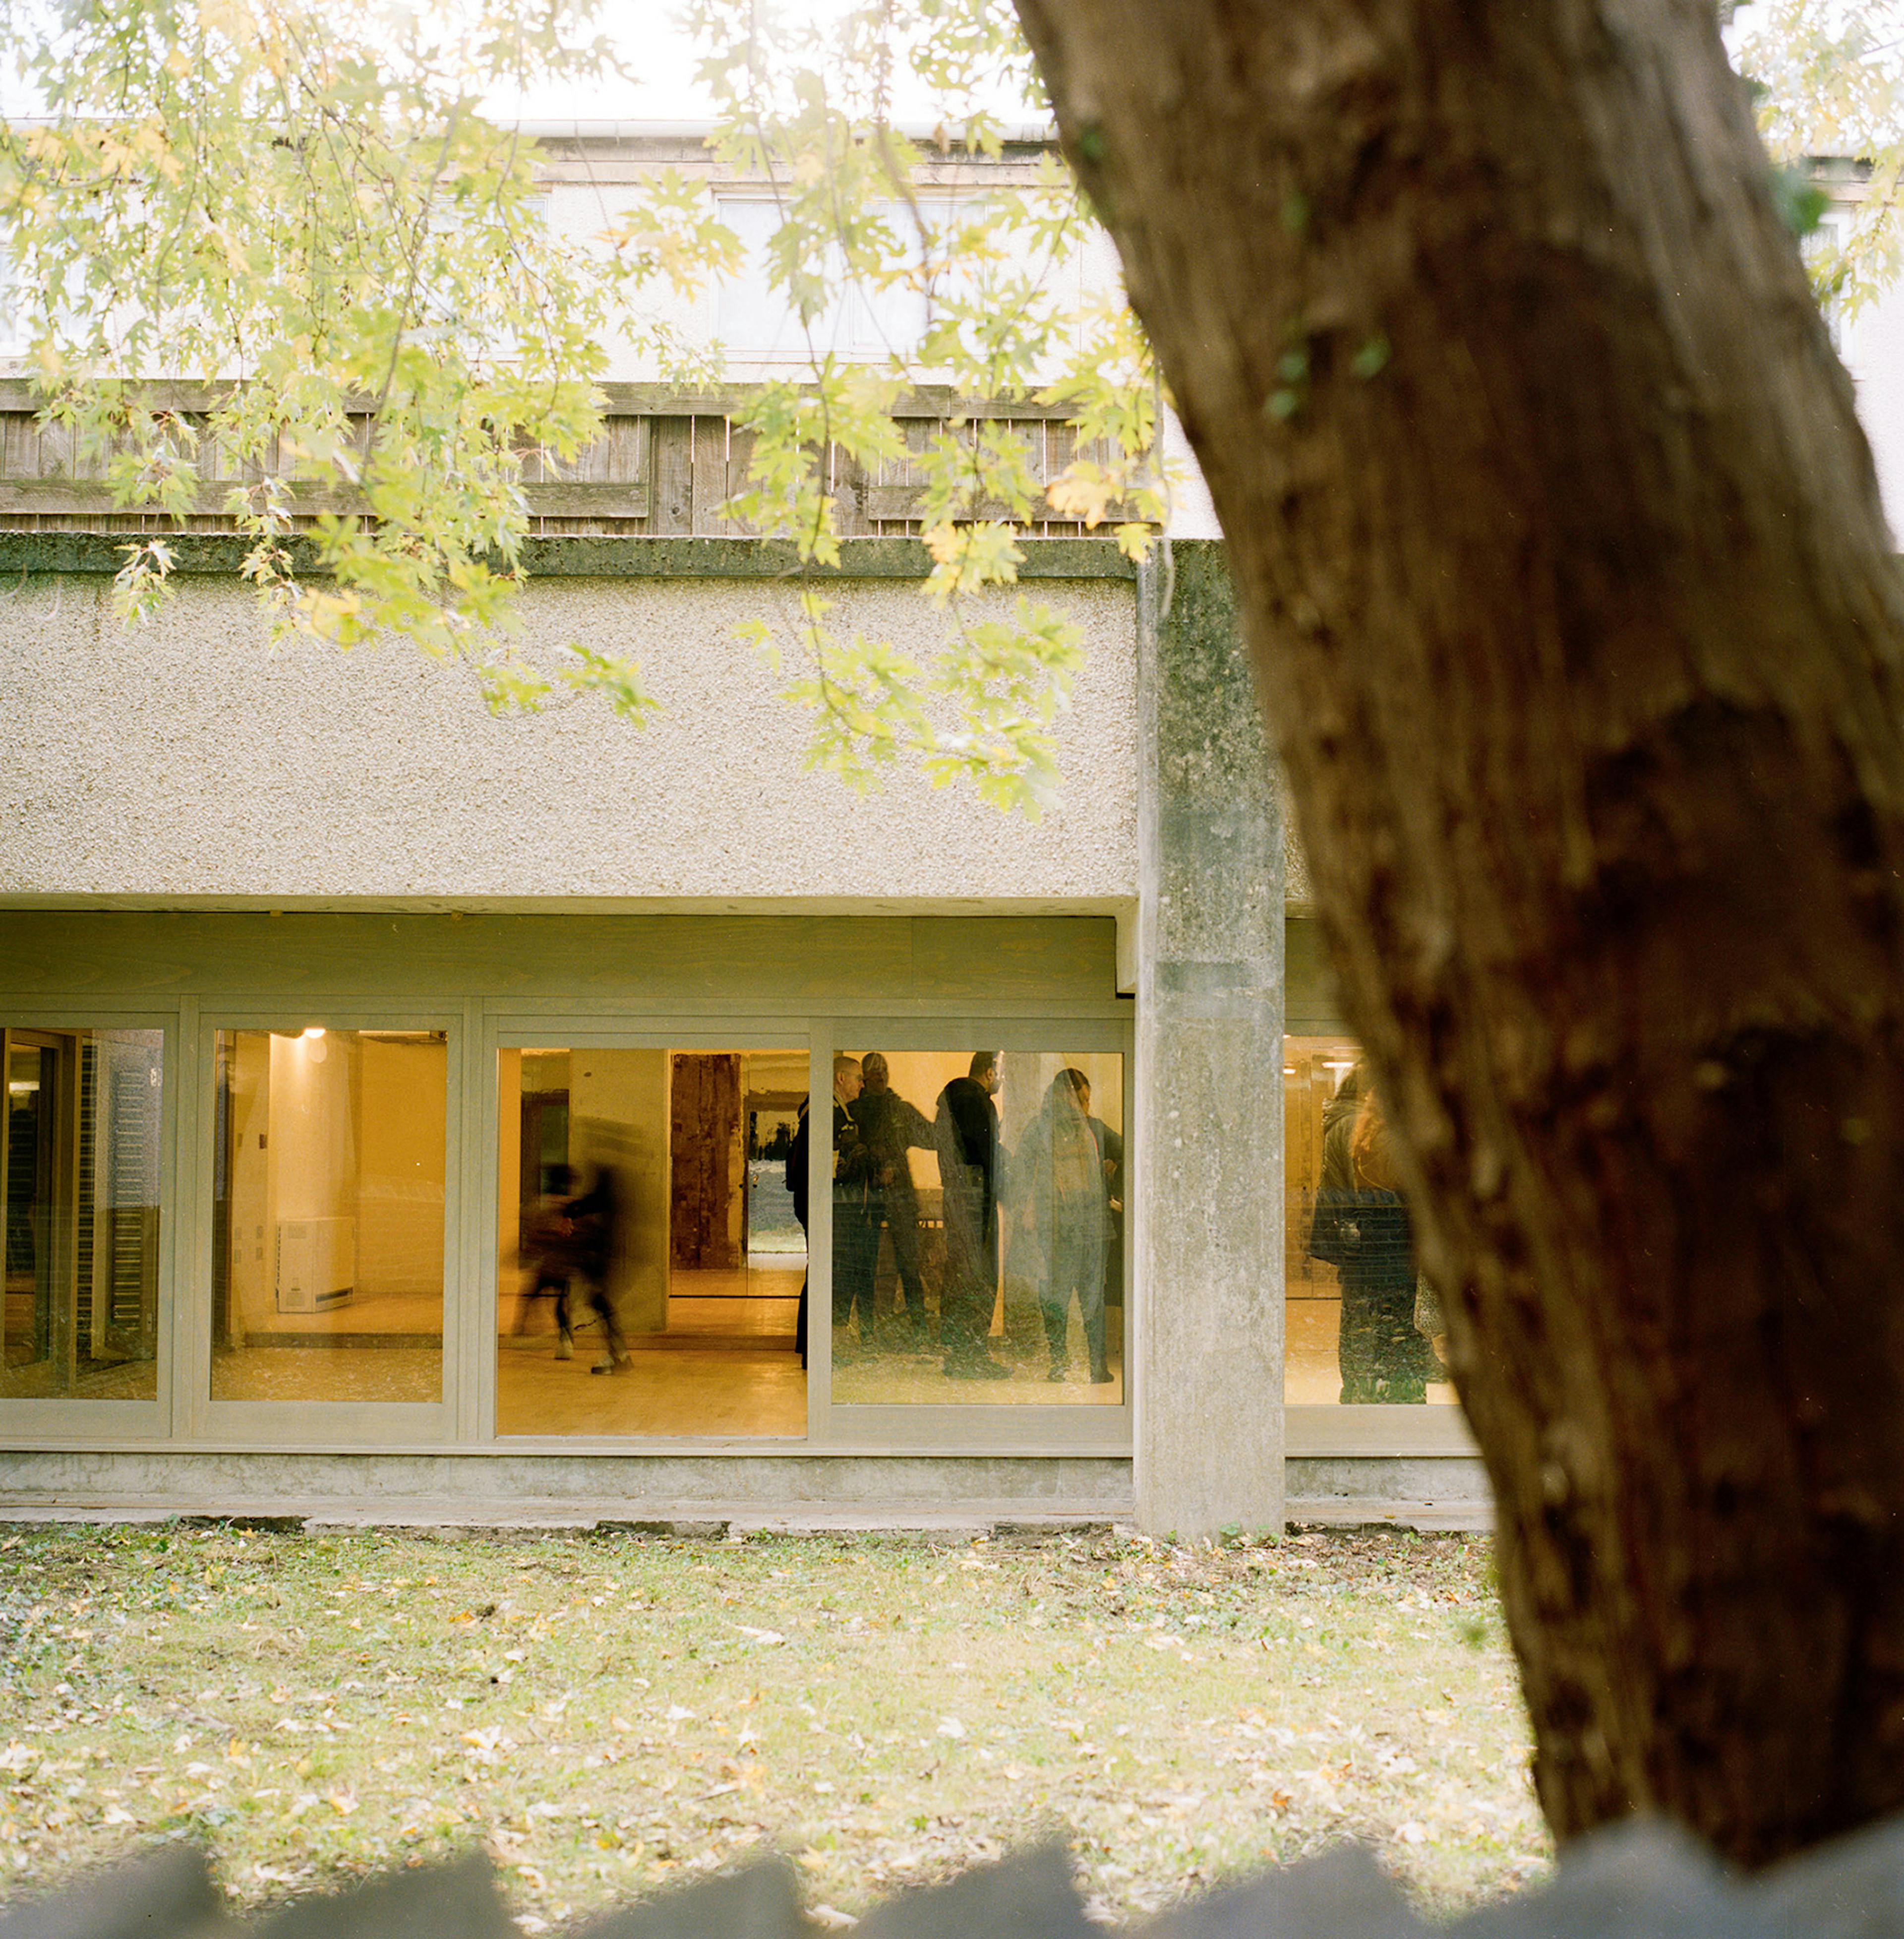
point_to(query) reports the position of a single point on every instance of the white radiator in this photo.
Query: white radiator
(316, 1263)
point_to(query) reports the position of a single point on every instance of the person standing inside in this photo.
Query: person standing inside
(797, 1154)
(890, 1128)
(1064, 1170)
(1385, 1361)
(965, 1135)
(852, 1277)
(549, 1248)
(594, 1220)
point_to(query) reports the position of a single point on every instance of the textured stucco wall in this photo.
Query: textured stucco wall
(187, 759)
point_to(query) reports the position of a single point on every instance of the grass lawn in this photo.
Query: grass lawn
(610, 1713)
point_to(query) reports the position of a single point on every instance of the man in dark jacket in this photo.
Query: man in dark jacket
(889, 1128)
(967, 1136)
(853, 1259)
(594, 1219)
(797, 1161)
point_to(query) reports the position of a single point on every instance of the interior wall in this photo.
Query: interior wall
(508, 1176)
(1028, 1077)
(251, 1222)
(919, 1075)
(403, 1118)
(314, 1105)
(619, 1118)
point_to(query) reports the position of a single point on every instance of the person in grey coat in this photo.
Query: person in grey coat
(1062, 1179)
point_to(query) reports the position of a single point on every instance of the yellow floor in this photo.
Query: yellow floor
(724, 1365)
(328, 1373)
(412, 1312)
(899, 1367)
(374, 1347)
(719, 1390)
(130, 1380)
(1311, 1376)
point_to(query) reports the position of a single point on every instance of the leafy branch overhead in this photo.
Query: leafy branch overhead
(1827, 81)
(276, 264)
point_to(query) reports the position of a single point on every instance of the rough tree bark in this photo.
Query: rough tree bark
(1575, 621)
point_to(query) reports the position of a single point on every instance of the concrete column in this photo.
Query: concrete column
(1209, 1334)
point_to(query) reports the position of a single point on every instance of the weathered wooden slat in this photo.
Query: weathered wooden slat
(926, 401)
(626, 447)
(83, 497)
(903, 501)
(708, 449)
(671, 495)
(740, 455)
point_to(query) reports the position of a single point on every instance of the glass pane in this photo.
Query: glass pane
(978, 1203)
(651, 1235)
(1363, 1329)
(328, 1202)
(80, 1317)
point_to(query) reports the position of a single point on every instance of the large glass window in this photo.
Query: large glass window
(652, 1239)
(1363, 1327)
(80, 1194)
(328, 1204)
(977, 1227)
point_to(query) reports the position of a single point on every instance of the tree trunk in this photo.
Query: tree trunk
(1564, 573)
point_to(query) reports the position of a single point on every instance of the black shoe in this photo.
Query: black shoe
(1059, 1370)
(1101, 1377)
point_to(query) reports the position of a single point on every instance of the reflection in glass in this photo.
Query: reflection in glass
(1363, 1329)
(652, 1248)
(328, 1202)
(977, 1227)
(80, 1192)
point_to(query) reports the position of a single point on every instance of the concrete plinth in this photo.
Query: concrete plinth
(1209, 1426)
(369, 1490)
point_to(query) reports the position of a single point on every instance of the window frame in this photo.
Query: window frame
(64, 1421)
(478, 1015)
(905, 1429)
(383, 1426)
(1309, 1430)
(583, 1030)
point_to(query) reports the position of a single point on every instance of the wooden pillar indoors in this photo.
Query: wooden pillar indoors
(705, 1164)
